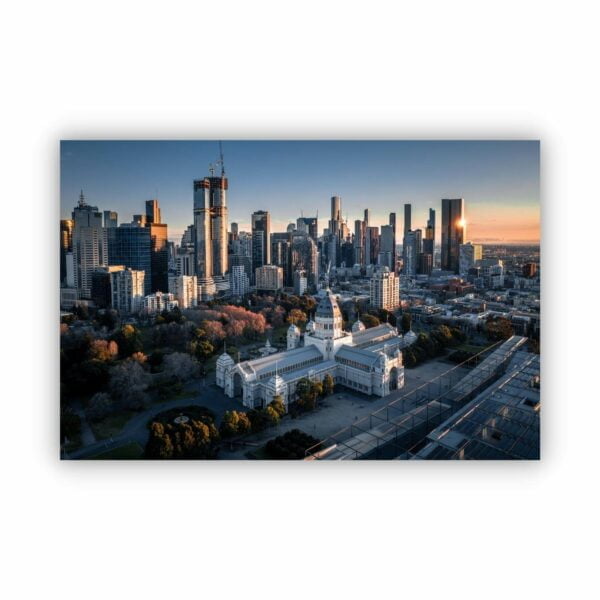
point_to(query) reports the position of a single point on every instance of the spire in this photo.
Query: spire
(81, 199)
(221, 159)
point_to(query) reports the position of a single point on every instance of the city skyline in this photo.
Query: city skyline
(498, 179)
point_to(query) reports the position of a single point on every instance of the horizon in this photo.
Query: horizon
(499, 181)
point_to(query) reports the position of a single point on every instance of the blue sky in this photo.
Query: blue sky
(499, 180)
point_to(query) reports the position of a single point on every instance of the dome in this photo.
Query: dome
(310, 326)
(328, 307)
(293, 329)
(224, 360)
(358, 326)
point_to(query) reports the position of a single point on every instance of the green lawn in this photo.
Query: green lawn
(111, 425)
(130, 451)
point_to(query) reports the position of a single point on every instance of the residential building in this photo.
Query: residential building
(239, 281)
(127, 290)
(385, 290)
(159, 301)
(269, 278)
(185, 290)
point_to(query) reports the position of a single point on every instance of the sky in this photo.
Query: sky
(499, 181)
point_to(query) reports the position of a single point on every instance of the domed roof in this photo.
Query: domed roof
(293, 329)
(328, 307)
(358, 326)
(310, 326)
(225, 360)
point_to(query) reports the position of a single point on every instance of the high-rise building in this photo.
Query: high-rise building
(367, 218)
(127, 290)
(393, 226)
(153, 211)
(359, 242)
(411, 252)
(269, 278)
(386, 247)
(210, 225)
(309, 225)
(185, 290)
(371, 245)
(89, 245)
(261, 239)
(529, 270)
(429, 241)
(239, 281)
(468, 254)
(241, 260)
(130, 245)
(336, 215)
(453, 232)
(384, 290)
(407, 218)
(425, 265)
(159, 256)
(305, 257)
(111, 218)
(280, 254)
(300, 282)
(66, 246)
(101, 285)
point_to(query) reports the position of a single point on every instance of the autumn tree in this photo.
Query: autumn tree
(328, 385)
(128, 341)
(498, 329)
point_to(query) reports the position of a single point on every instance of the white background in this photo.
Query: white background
(323, 69)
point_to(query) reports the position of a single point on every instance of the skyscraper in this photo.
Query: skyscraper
(66, 246)
(453, 232)
(261, 239)
(359, 242)
(336, 215)
(407, 218)
(89, 245)
(393, 226)
(429, 241)
(111, 218)
(410, 252)
(367, 217)
(304, 257)
(371, 245)
(386, 247)
(308, 225)
(210, 225)
(130, 245)
(159, 257)
(152, 211)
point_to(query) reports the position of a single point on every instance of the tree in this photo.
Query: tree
(179, 366)
(296, 316)
(128, 384)
(128, 340)
(499, 328)
(203, 350)
(70, 424)
(328, 385)
(99, 406)
(278, 405)
(271, 416)
(406, 322)
(369, 321)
